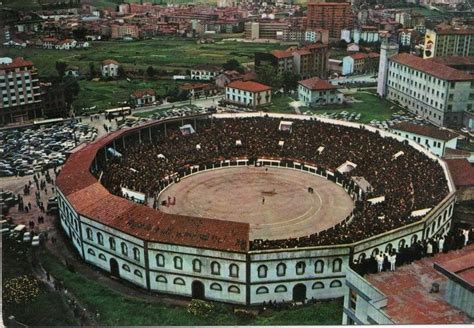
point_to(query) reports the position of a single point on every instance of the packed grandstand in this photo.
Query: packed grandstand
(406, 178)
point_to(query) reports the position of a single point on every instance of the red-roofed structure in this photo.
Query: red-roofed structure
(462, 172)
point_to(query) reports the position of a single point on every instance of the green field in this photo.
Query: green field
(162, 54)
(371, 107)
(118, 310)
(280, 104)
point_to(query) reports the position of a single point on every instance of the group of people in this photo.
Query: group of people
(408, 182)
(390, 259)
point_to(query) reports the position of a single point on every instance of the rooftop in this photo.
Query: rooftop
(281, 54)
(407, 290)
(453, 60)
(143, 92)
(17, 62)
(249, 86)
(455, 31)
(92, 200)
(109, 61)
(460, 269)
(431, 67)
(461, 171)
(315, 83)
(425, 130)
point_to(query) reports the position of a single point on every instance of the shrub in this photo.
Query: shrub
(200, 308)
(20, 290)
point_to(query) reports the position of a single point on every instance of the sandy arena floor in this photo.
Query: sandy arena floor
(237, 194)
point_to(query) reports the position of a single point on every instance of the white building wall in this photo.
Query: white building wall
(436, 146)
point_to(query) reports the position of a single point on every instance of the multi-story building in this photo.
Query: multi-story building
(359, 63)
(205, 72)
(109, 68)
(405, 37)
(437, 92)
(302, 59)
(333, 16)
(449, 42)
(432, 138)
(248, 93)
(264, 29)
(21, 95)
(121, 31)
(318, 92)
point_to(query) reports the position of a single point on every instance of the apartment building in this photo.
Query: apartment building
(122, 31)
(264, 29)
(437, 92)
(21, 95)
(315, 92)
(360, 63)
(333, 16)
(449, 42)
(248, 93)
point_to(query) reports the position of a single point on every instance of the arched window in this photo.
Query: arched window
(112, 243)
(197, 265)
(124, 249)
(179, 281)
(216, 286)
(401, 244)
(178, 263)
(375, 252)
(102, 257)
(233, 270)
(318, 285)
(337, 265)
(126, 268)
(280, 289)
(428, 232)
(281, 269)
(335, 284)
(161, 279)
(319, 266)
(215, 268)
(300, 267)
(100, 238)
(136, 254)
(91, 252)
(262, 290)
(89, 233)
(233, 289)
(160, 260)
(361, 257)
(388, 248)
(138, 273)
(262, 271)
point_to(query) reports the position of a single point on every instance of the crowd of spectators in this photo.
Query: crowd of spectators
(408, 182)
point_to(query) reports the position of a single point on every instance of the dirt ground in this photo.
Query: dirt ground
(275, 202)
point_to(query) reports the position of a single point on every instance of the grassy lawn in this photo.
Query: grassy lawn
(163, 53)
(116, 309)
(371, 108)
(280, 104)
(112, 94)
(38, 311)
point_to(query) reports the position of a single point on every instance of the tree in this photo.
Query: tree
(150, 71)
(71, 90)
(61, 68)
(121, 72)
(289, 81)
(91, 70)
(80, 33)
(232, 65)
(267, 74)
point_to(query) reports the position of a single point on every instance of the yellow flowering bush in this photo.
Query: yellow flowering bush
(200, 308)
(20, 290)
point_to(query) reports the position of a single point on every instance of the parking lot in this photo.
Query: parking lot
(25, 151)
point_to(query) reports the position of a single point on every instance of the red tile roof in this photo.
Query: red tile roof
(109, 61)
(425, 130)
(359, 55)
(89, 198)
(432, 68)
(143, 92)
(455, 31)
(17, 62)
(460, 269)
(453, 60)
(249, 86)
(282, 54)
(461, 171)
(315, 83)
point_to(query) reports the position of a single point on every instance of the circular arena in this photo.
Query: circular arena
(249, 208)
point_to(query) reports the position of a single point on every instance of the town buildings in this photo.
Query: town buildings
(248, 93)
(143, 97)
(21, 95)
(359, 63)
(437, 92)
(123, 31)
(109, 68)
(333, 16)
(205, 72)
(449, 42)
(315, 92)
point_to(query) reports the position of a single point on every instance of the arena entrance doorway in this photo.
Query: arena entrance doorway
(299, 293)
(198, 290)
(114, 268)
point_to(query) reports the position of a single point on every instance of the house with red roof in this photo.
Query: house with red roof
(360, 62)
(317, 92)
(144, 97)
(109, 68)
(248, 93)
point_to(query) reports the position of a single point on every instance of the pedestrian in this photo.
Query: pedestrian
(429, 249)
(441, 244)
(392, 259)
(465, 233)
(380, 259)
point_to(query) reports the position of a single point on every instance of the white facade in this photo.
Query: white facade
(347, 65)
(404, 38)
(387, 50)
(204, 75)
(435, 145)
(312, 98)
(109, 70)
(247, 98)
